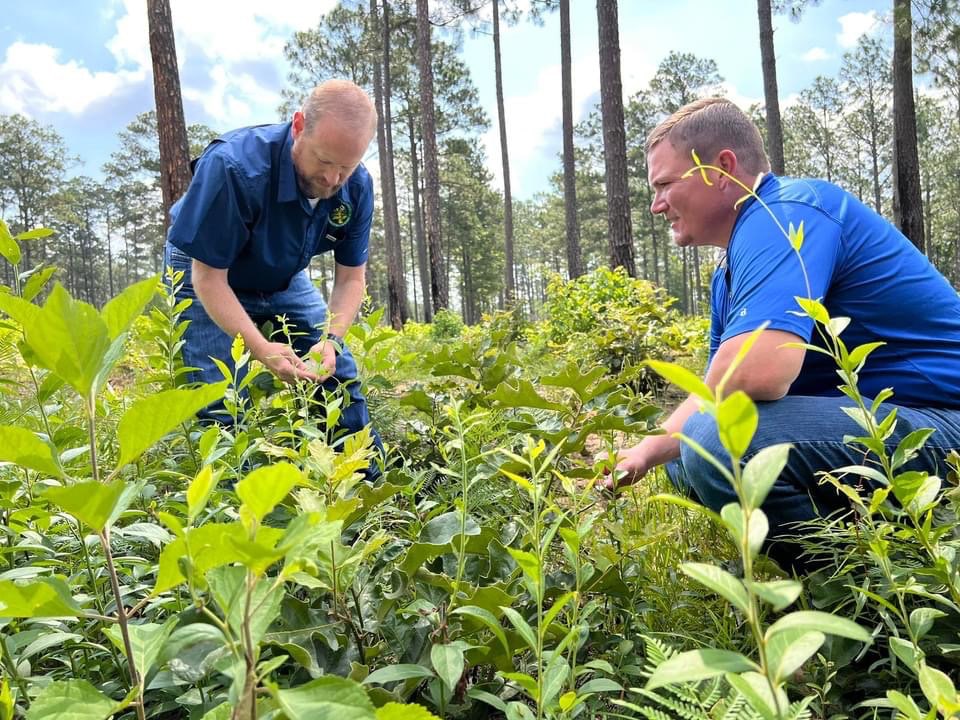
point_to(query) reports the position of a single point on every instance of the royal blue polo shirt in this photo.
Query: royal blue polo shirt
(859, 266)
(244, 211)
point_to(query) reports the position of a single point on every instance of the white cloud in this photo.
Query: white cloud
(815, 54)
(33, 78)
(854, 25)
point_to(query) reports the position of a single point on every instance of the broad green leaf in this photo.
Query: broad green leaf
(837, 325)
(91, 502)
(146, 641)
(554, 678)
(600, 685)
(71, 700)
(762, 472)
(394, 673)
(567, 700)
(325, 697)
(447, 661)
(228, 585)
(265, 487)
(444, 528)
(921, 620)
(906, 705)
(788, 650)
(192, 650)
(821, 621)
(150, 418)
(8, 246)
(34, 234)
(120, 312)
(401, 711)
(682, 378)
(69, 338)
(522, 627)
(525, 681)
(795, 235)
(905, 651)
(556, 609)
(45, 597)
(778, 593)
(698, 665)
(199, 492)
(523, 395)
(23, 447)
(860, 353)
(6, 700)
(520, 711)
(938, 688)
(736, 423)
(488, 619)
(37, 282)
(529, 565)
(571, 376)
(814, 310)
(721, 582)
(733, 517)
(756, 689)
(489, 698)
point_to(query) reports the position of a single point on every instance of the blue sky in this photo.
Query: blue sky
(83, 66)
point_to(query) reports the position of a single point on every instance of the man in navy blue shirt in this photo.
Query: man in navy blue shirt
(263, 201)
(854, 261)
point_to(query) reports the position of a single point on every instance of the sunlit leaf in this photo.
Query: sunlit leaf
(720, 581)
(521, 626)
(199, 491)
(8, 247)
(698, 665)
(788, 650)
(395, 673)
(71, 700)
(400, 711)
(92, 503)
(23, 447)
(444, 528)
(146, 642)
(447, 661)
(736, 423)
(325, 697)
(45, 597)
(682, 378)
(120, 312)
(778, 593)
(821, 621)
(261, 490)
(762, 471)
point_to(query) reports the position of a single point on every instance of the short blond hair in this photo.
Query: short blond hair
(710, 125)
(344, 100)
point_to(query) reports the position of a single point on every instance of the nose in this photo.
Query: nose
(330, 176)
(658, 204)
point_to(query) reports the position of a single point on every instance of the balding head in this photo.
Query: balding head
(345, 102)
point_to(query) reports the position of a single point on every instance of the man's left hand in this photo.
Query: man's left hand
(322, 359)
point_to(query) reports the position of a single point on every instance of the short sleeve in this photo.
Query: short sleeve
(766, 276)
(214, 216)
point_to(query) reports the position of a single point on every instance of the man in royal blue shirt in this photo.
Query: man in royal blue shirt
(859, 266)
(263, 201)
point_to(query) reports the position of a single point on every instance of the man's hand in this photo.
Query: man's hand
(282, 361)
(632, 464)
(322, 359)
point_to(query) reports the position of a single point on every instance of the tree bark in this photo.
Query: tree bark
(620, 233)
(422, 261)
(771, 98)
(174, 148)
(508, 271)
(431, 170)
(907, 198)
(574, 256)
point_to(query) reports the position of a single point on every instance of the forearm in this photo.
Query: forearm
(345, 300)
(656, 450)
(221, 304)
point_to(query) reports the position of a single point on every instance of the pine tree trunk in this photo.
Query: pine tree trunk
(620, 233)
(907, 198)
(174, 148)
(508, 271)
(574, 256)
(771, 100)
(431, 170)
(422, 262)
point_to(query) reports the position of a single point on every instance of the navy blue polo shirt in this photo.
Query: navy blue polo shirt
(859, 266)
(245, 212)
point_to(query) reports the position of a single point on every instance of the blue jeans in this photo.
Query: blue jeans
(815, 426)
(305, 312)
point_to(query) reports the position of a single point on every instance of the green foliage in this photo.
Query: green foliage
(446, 325)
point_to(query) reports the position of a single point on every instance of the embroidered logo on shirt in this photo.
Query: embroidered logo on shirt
(340, 215)
(743, 313)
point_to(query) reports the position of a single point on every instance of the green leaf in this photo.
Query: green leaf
(45, 597)
(228, 585)
(265, 487)
(71, 700)
(36, 282)
(698, 665)
(394, 673)
(905, 651)
(523, 395)
(789, 649)
(581, 382)
(92, 503)
(325, 697)
(34, 234)
(192, 650)
(444, 528)
(488, 698)
(199, 492)
(814, 310)
(146, 641)
(8, 246)
(524, 629)
(149, 419)
(860, 353)
(600, 685)
(756, 689)
(682, 378)
(488, 619)
(937, 687)
(921, 620)
(795, 235)
(120, 312)
(821, 621)
(447, 661)
(906, 705)
(23, 447)
(733, 517)
(210, 546)
(762, 472)
(721, 582)
(778, 593)
(736, 423)
(401, 711)
(529, 565)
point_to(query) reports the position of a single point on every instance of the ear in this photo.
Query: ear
(727, 161)
(298, 124)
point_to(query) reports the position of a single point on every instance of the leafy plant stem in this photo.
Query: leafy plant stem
(12, 669)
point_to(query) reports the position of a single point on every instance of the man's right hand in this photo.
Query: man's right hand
(282, 361)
